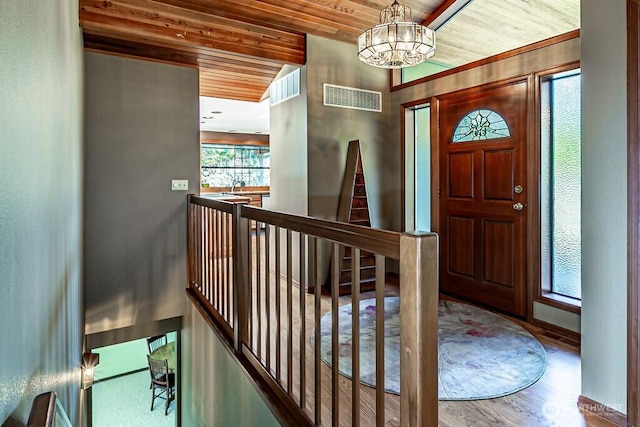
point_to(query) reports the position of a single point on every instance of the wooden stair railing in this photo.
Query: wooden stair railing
(43, 410)
(260, 328)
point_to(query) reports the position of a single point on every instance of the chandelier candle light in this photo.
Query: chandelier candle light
(396, 42)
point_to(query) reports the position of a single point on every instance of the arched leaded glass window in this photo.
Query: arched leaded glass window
(481, 124)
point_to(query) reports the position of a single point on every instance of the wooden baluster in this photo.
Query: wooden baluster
(225, 266)
(258, 293)
(200, 249)
(190, 251)
(316, 323)
(218, 260)
(277, 302)
(240, 278)
(211, 255)
(289, 313)
(355, 340)
(249, 287)
(302, 310)
(335, 350)
(229, 249)
(380, 390)
(267, 262)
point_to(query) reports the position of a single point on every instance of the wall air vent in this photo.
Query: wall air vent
(285, 88)
(348, 97)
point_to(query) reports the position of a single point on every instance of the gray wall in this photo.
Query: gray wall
(330, 129)
(288, 142)
(41, 321)
(215, 391)
(309, 141)
(141, 132)
(604, 201)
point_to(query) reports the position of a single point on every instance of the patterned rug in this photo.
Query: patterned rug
(482, 355)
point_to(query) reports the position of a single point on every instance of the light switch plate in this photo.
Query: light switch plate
(180, 185)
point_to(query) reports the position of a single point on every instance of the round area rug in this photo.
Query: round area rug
(481, 355)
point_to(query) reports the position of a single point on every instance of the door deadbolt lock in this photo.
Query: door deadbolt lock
(518, 206)
(518, 189)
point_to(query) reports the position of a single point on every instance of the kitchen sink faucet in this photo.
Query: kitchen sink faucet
(233, 186)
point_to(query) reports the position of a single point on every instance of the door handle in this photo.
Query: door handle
(518, 206)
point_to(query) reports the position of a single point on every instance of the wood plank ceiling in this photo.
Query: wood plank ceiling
(240, 46)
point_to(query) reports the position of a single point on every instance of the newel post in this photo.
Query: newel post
(191, 244)
(419, 329)
(240, 248)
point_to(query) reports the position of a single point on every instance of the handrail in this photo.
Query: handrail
(43, 410)
(237, 257)
(382, 242)
(221, 205)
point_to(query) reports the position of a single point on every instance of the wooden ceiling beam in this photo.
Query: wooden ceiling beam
(172, 53)
(135, 19)
(217, 72)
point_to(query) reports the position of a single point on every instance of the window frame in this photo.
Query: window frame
(540, 294)
(236, 145)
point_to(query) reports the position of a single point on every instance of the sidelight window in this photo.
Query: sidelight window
(560, 185)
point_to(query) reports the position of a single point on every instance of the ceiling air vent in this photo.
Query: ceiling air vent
(285, 88)
(348, 97)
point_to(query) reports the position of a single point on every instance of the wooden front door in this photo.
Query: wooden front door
(482, 187)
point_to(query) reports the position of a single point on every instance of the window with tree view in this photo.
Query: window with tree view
(560, 184)
(224, 165)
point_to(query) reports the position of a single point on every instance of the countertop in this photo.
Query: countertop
(248, 193)
(226, 197)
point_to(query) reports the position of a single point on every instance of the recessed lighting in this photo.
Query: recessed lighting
(208, 117)
(216, 112)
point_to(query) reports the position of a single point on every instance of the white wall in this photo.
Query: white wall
(604, 202)
(41, 319)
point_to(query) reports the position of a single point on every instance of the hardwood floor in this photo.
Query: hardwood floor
(551, 401)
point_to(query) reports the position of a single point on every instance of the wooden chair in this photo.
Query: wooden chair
(163, 382)
(156, 341)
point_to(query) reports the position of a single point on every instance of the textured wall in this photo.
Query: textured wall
(141, 132)
(215, 391)
(330, 129)
(604, 202)
(288, 141)
(40, 204)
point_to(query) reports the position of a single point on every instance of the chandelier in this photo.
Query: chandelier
(396, 42)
